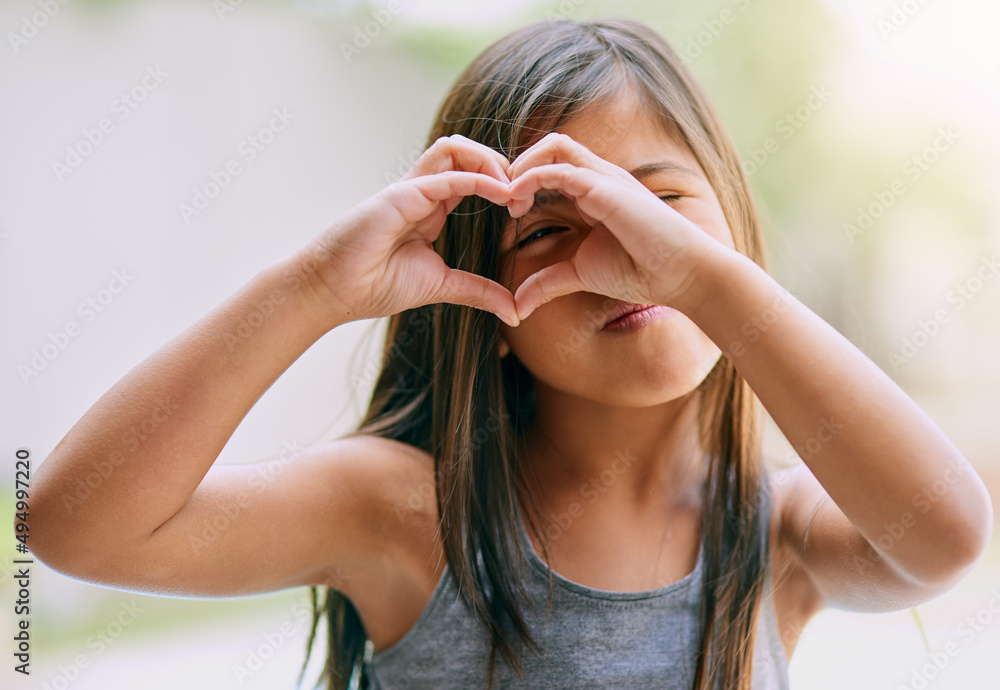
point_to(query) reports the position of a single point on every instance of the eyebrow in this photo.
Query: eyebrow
(662, 166)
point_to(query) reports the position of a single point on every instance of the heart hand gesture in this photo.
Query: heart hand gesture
(639, 249)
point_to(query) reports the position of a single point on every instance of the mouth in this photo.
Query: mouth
(628, 316)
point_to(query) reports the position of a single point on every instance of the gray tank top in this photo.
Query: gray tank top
(593, 638)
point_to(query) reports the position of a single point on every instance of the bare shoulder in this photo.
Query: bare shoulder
(390, 583)
(403, 487)
(796, 597)
(394, 486)
(380, 454)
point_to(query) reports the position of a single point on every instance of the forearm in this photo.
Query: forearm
(876, 453)
(138, 454)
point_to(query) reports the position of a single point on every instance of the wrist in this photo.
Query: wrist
(736, 299)
(714, 264)
(301, 283)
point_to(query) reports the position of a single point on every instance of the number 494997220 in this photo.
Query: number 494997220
(21, 477)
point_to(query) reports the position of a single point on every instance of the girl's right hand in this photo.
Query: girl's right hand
(377, 259)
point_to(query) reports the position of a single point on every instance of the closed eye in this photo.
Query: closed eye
(534, 235)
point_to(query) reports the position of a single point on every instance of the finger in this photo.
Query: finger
(570, 180)
(462, 287)
(457, 152)
(421, 195)
(556, 147)
(545, 285)
(602, 199)
(520, 207)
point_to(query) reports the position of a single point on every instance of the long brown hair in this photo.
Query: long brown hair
(443, 387)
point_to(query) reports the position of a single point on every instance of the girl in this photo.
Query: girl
(568, 495)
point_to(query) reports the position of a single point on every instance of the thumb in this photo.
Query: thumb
(545, 285)
(462, 287)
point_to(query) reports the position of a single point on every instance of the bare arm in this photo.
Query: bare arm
(889, 513)
(129, 498)
(133, 461)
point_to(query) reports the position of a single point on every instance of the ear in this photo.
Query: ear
(504, 347)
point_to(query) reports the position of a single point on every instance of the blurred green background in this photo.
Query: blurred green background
(868, 129)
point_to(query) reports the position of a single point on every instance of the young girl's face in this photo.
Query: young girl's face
(561, 343)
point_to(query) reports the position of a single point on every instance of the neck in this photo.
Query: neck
(581, 450)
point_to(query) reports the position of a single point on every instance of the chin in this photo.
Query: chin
(650, 392)
(662, 363)
(643, 383)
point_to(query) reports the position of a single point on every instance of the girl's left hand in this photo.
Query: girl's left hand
(639, 249)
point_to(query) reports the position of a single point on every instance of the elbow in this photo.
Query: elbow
(965, 537)
(42, 532)
(975, 530)
(51, 538)
(979, 534)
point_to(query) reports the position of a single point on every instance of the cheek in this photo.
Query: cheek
(518, 265)
(717, 227)
(521, 268)
(708, 215)
(549, 342)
